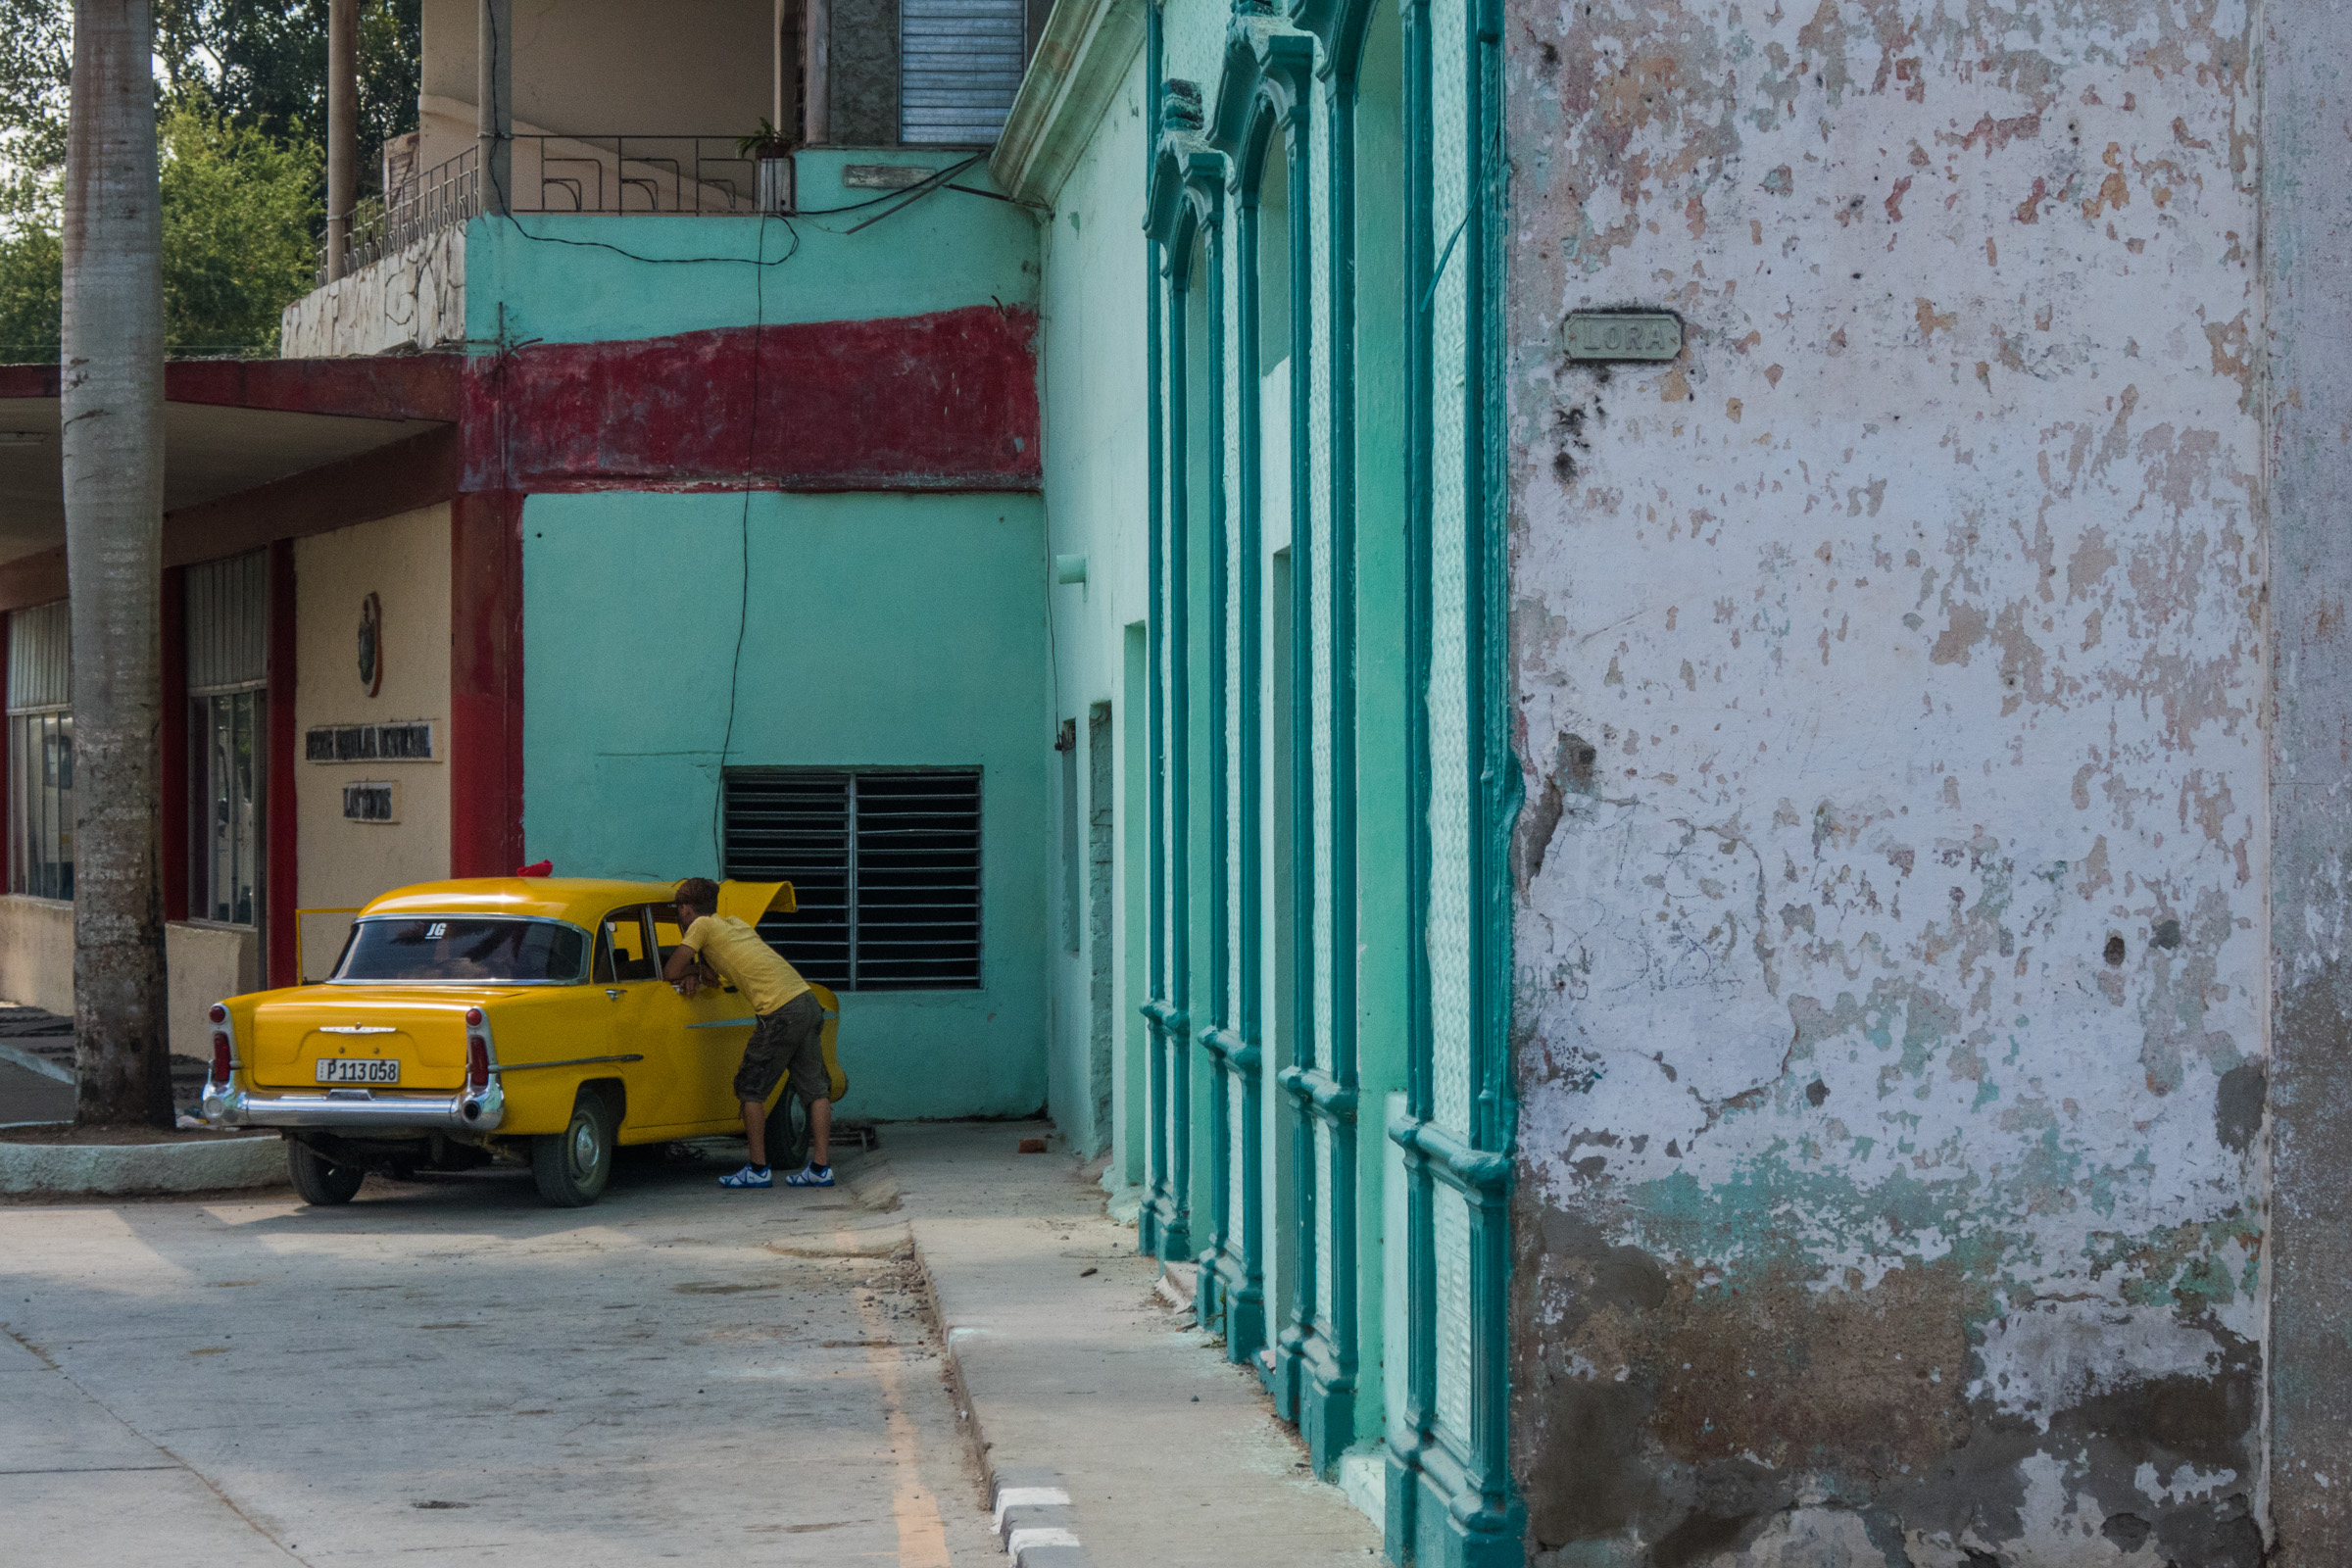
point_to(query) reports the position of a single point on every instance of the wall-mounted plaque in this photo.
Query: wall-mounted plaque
(1623, 336)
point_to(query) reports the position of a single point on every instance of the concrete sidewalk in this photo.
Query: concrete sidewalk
(80, 1485)
(1082, 1380)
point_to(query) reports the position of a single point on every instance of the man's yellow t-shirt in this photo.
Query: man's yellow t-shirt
(748, 964)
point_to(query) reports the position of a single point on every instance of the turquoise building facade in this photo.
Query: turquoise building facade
(1273, 452)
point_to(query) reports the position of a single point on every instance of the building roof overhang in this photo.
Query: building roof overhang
(228, 426)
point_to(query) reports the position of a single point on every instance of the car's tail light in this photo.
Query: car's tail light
(477, 1051)
(224, 1046)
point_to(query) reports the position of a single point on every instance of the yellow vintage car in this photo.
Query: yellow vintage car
(520, 1019)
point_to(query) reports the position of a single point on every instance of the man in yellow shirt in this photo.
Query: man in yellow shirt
(787, 1032)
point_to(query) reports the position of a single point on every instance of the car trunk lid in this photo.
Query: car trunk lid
(320, 1037)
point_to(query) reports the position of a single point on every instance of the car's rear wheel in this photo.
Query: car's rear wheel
(573, 1165)
(788, 1132)
(318, 1179)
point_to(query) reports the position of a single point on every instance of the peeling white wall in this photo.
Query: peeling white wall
(1891, 674)
(411, 299)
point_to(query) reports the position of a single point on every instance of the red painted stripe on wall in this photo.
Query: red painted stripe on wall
(175, 790)
(8, 837)
(283, 962)
(939, 402)
(412, 386)
(485, 684)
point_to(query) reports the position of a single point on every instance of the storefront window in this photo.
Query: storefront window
(228, 611)
(230, 734)
(40, 755)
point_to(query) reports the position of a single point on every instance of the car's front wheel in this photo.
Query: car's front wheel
(573, 1165)
(318, 1179)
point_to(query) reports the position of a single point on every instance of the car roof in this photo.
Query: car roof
(582, 900)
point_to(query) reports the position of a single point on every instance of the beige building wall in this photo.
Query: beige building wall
(204, 962)
(600, 68)
(404, 561)
(36, 952)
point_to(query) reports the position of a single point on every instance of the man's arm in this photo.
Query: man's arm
(685, 966)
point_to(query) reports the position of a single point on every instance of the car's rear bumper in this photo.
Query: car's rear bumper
(358, 1109)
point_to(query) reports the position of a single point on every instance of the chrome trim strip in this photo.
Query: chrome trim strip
(461, 1112)
(568, 1061)
(358, 1029)
(726, 1023)
(466, 1112)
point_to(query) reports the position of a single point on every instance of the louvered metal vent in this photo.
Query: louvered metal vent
(959, 65)
(885, 867)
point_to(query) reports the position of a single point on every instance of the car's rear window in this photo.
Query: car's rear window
(452, 947)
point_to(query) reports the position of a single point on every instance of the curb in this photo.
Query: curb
(1030, 1507)
(1034, 1521)
(117, 1169)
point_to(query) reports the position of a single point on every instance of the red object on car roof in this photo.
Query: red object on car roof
(537, 868)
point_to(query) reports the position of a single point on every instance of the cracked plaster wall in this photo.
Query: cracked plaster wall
(1891, 938)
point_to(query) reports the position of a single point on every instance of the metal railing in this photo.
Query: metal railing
(686, 175)
(442, 197)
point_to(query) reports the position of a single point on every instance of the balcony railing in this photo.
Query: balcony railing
(683, 176)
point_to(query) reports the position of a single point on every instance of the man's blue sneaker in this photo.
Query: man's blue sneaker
(750, 1176)
(809, 1176)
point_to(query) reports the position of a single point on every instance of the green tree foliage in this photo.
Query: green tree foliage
(242, 85)
(36, 48)
(239, 210)
(32, 284)
(264, 64)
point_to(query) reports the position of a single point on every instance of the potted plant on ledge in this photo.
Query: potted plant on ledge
(768, 152)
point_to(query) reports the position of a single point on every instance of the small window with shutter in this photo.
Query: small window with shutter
(960, 67)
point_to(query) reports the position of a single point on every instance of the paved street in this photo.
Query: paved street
(448, 1369)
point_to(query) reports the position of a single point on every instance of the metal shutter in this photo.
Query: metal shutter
(228, 624)
(40, 661)
(885, 867)
(959, 65)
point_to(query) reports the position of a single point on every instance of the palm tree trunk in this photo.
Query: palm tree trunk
(113, 407)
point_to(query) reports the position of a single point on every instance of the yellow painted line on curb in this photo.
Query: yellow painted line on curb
(922, 1533)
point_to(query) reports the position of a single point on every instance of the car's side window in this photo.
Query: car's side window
(621, 950)
(666, 932)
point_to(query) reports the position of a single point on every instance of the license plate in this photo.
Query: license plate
(358, 1070)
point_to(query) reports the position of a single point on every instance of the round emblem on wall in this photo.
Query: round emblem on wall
(371, 644)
